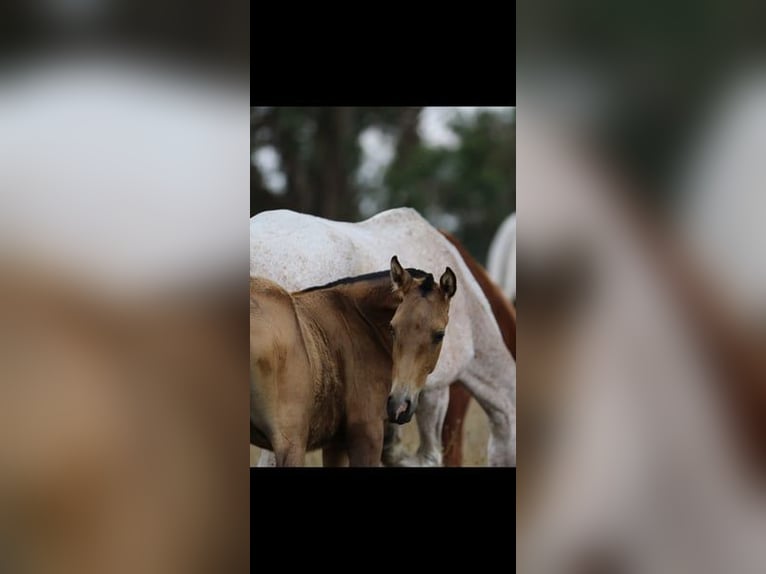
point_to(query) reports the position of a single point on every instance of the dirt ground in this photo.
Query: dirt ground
(475, 435)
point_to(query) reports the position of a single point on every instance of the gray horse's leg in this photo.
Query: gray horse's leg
(496, 397)
(393, 449)
(267, 458)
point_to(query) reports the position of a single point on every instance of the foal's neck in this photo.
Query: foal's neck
(370, 297)
(373, 295)
(375, 301)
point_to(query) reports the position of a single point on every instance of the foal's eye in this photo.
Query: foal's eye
(438, 336)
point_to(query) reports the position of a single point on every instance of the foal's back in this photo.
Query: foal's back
(274, 322)
(296, 378)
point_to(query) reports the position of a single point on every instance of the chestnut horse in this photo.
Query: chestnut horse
(328, 362)
(459, 397)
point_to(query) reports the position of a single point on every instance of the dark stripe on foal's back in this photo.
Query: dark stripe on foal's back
(416, 273)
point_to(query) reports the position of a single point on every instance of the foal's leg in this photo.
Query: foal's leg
(334, 455)
(365, 443)
(432, 407)
(289, 452)
(293, 457)
(393, 449)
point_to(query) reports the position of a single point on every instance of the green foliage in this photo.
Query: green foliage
(475, 182)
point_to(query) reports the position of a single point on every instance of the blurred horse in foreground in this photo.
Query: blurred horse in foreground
(122, 424)
(642, 418)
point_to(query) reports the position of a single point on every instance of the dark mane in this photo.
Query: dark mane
(425, 287)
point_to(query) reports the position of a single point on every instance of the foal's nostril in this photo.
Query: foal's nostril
(399, 410)
(404, 412)
(390, 409)
(402, 409)
(394, 408)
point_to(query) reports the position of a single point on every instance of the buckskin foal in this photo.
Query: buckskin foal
(329, 363)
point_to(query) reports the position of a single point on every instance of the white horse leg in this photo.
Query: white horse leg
(267, 458)
(495, 394)
(432, 408)
(393, 449)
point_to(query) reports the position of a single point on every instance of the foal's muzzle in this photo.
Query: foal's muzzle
(400, 408)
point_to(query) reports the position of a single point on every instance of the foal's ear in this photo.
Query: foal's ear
(400, 277)
(448, 283)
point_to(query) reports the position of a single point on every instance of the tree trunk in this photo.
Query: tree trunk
(334, 132)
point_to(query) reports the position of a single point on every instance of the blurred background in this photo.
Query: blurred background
(456, 166)
(640, 183)
(123, 334)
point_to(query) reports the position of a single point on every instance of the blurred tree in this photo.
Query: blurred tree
(468, 188)
(471, 188)
(319, 154)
